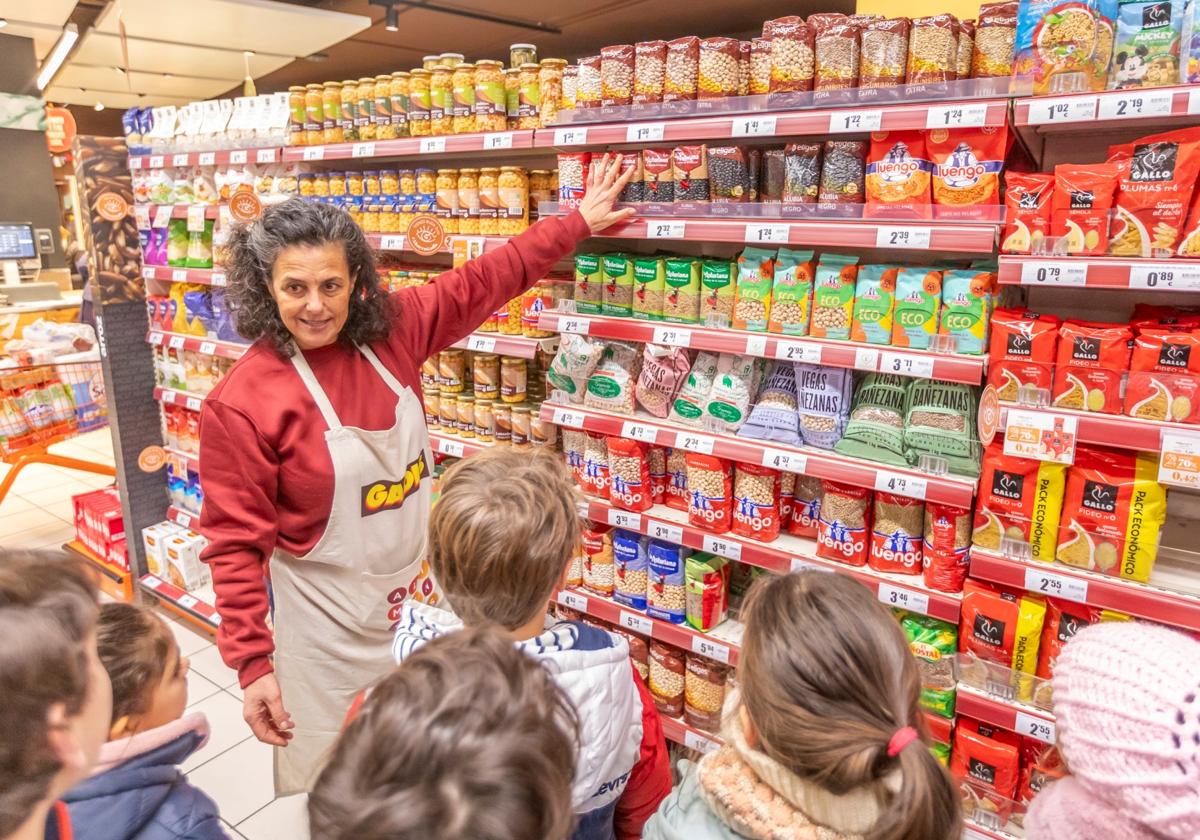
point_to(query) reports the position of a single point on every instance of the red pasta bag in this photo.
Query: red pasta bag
(989, 758)
(1027, 211)
(946, 546)
(1164, 376)
(844, 524)
(1063, 620)
(756, 502)
(1083, 197)
(1041, 764)
(1092, 361)
(897, 522)
(710, 492)
(629, 474)
(1021, 351)
(1154, 193)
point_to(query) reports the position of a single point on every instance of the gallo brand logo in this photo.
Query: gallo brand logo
(990, 631)
(1099, 497)
(1174, 355)
(1007, 485)
(379, 496)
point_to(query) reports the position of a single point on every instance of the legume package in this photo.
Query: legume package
(659, 172)
(691, 173)
(897, 176)
(756, 502)
(589, 284)
(649, 287)
(995, 34)
(945, 546)
(1079, 210)
(884, 57)
(967, 308)
(1026, 211)
(933, 642)
(1090, 370)
(966, 46)
(663, 372)
(760, 67)
(649, 70)
(611, 385)
(1001, 625)
(874, 304)
(774, 415)
(681, 303)
(1021, 499)
(630, 566)
(1164, 376)
(657, 458)
(1154, 193)
(595, 465)
(704, 693)
(755, 277)
(574, 363)
(734, 386)
(718, 282)
(823, 395)
(745, 48)
(836, 49)
(718, 65)
(1147, 44)
(843, 526)
(616, 74)
(710, 491)
(1113, 510)
(666, 678)
(688, 406)
(806, 506)
(792, 58)
(1021, 352)
(629, 474)
(665, 597)
(896, 531)
(574, 441)
(843, 166)
(875, 430)
(933, 50)
(707, 583)
(634, 191)
(967, 163)
(791, 292)
(618, 284)
(787, 486)
(677, 487)
(833, 296)
(682, 69)
(801, 173)
(918, 302)
(940, 421)
(728, 174)
(598, 559)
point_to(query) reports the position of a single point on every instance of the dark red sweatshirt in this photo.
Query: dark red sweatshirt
(266, 473)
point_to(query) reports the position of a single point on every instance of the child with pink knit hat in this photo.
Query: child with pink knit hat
(1127, 704)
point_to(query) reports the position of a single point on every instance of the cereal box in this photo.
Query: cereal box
(918, 298)
(833, 296)
(967, 308)
(755, 275)
(589, 284)
(717, 284)
(791, 293)
(681, 303)
(618, 284)
(649, 287)
(874, 302)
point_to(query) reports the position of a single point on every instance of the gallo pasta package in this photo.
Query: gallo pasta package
(1021, 499)
(1147, 45)
(1001, 625)
(1021, 351)
(898, 176)
(1083, 197)
(1027, 211)
(1057, 43)
(1091, 366)
(966, 168)
(1164, 376)
(1154, 193)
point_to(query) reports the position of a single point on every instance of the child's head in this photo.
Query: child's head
(502, 535)
(55, 694)
(468, 739)
(149, 677)
(827, 682)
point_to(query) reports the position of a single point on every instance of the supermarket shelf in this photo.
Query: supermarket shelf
(506, 345)
(415, 147)
(1091, 111)
(189, 460)
(1012, 715)
(180, 211)
(184, 399)
(820, 463)
(207, 276)
(859, 119)
(1150, 601)
(182, 517)
(974, 831)
(785, 554)
(455, 446)
(269, 154)
(845, 354)
(678, 732)
(184, 603)
(399, 242)
(1142, 275)
(1106, 429)
(176, 341)
(113, 580)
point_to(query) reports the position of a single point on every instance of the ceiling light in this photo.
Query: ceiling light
(392, 19)
(168, 76)
(99, 106)
(3, 22)
(248, 53)
(58, 55)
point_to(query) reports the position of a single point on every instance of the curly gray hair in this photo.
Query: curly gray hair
(253, 249)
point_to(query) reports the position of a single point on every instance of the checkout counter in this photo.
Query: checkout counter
(27, 291)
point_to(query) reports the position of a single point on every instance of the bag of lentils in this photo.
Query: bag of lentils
(823, 397)
(774, 416)
(896, 533)
(806, 506)
(875, 430)
(940, 420)
(843, 526)
(734, 386)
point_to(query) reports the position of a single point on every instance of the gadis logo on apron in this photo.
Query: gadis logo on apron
(382, 495)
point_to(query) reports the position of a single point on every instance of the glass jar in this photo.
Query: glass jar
(448, 409)
(371, 182)
(398, 92)
(468, 201)
(371, 217)
(490, 106)
(513, 380)
(441, 100)
(485, 421)
(354, 183)
(462, 83)
(314, 115)
(337, 183)
(389, 182)
(428, 62)
(408, 182)
(514, 200)
(487, 376)
(452, 370)
(502, 419)
(541, 433)
(364, 117)
(512, 97)
(519, 54)
(466, 416)
(433, 416)
(536, 299)
(419, 103)
(528, 105)
(426, 182)
(541, 188)
(384, 130)
(331, 109)
(550, 89)
(296, 132)
(447, 199)
(320, 184)
(452, 60)
(348, 111)
(569, 86)
(521, 422)
(489, 201)
(508, 319)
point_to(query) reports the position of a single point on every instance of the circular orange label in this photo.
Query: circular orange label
(245, 206)
(989, 415)
(152, 459)
(111, 206)
(426, 235)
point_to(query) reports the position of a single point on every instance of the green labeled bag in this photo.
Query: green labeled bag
(717, 284)
(833, 296)
(791, 292)
(755, 276)
(618, 284)
(649, 287)
(934, 643)
(589, 284)
(939, 419)
(875, 430)
(874, 302)
(681, 305)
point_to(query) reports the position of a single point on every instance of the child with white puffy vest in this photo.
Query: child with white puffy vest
(501, 537)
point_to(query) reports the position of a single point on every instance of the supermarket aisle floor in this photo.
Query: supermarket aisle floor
(233, 768)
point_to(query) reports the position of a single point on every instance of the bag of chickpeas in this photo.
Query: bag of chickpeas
(756, 502)
(629, 474)
(710, 492)
(755, 276)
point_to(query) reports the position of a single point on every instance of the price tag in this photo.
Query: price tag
(694, 442)
(433, 145)
(192, 404)
(183, 519)
(567, 417)
(573, 600)
(498, 140)
(1120, 106)
(266, 155)
(1043, 435)
(141, 213)
(176, 342)
(711, 649)
(722, 547)
(905, 599)
(453, 448)
(644, 132)
(775, 234)
(902, 237)
(218, 278)
(240, 155)
(208, 347)
(956, 116)
(570, 136)
(1164, 276)
(624, 519)
(1193, 106)
(179, 160)
(799, 564)
(756, 345)
(481, 343)
(675, 336)
(639, 431)
(1036, 727)
(362, 150)
(666, 532)
(391, 242)
(665, 230)
(186, 601)
(798, 351)
(311, 153)
(195, 218)
(207, 159)
(150, 272)
(179, 275)
(701, 744)
(162, 215)
(156, 162)
(866, 358)
(580, 326)
(902, 485)
(1062, 110)
(1179, 461)
(156, 338)
(842, 122)
(636, 623)
(1045, 582)
(906, 365)
(151, 582)
(135, 163)
(753, 127)
(777, 459)
(1045, 273)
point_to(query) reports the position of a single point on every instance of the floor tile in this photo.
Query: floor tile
(199, 688)
(233, 833)
(190, 641)
(41, 477)
(50, 534)
(240, 780)
(12, 503)
(15, 523)
(285, 817)
(228, 729)
(208, 662)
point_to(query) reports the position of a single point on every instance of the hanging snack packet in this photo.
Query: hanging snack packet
(611, 385)
(677, 488)
(630, 569)
(874, 302)
(940, 421)
(884, 53)
(629, 474)
(756, 502)
(681, 303)
(663, 372)
(717, 285)
(806, 506)
(842, 529)
(1092, 361)
(833, 296)
(659, 173)
(1026, 211)
(1147, 45)
(1154, 193)
(898, 176)
(875, 430)
(574, 362)
(918, 301)
(823, 395)
(1083, 197)
(1021, 499)
(618, 284)
(734, 386)
(710, 490)
(934, 643)
(1113, 510)
(967, 308)
(967, 164)
(896, 530)
(933, 50)
(945, 549)
(1021, 352)
(589, 284)
(1164, 376)
(791, 292)
(688, 406)
(774, 415)
(649, 288)
(755, 275)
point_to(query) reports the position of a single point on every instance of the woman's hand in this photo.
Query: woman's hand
(605, 182)
(262, 708)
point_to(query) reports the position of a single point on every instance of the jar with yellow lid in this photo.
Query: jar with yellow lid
(512, 97)
(428, 62)
(354, 183)
(509, 319)
(540, 189)
(528, 105)
(389, 182)
(441, 100)
(398, 92)
(468, 201)
(314, 115)
(320, 184)
(419, 102)
(371, 182)
(382, 116)
(462, 82)
(337, 183)
(514, 200)
(452, 60)
(447, 199)
(489, 201)
(426, 182)
(331, 111)
(364, 117)
(296, 134)
(408, 182)
(490, 107)
(550, 88)
(519, 54)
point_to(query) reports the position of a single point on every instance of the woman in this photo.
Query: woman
(316, 461)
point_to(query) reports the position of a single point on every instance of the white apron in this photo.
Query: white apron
(336, 605)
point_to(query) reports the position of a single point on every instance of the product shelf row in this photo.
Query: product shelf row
(1093, 427)
(1141, 275)
(204, 276)
(195, 606)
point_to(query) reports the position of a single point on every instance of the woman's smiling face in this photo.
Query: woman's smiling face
(311, 285)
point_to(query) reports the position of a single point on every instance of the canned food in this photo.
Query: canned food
(447, 199)
(349, 110)
(433, 401)
(463, 99)
(541, 433)
(550, 89)
(489, 201)
(430, 61)
(441, 100)
(331, 109)
(314, 115)
(419, 103)
(529, 102)
(296, 133)
(452, 60)
(490, 98)
(514, 200)
(398, 93)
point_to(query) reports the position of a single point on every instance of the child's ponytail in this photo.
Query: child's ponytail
(927, 804)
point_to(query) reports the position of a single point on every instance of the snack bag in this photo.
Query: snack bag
(843, 525)
(717, 285)
(629, 474)
(755, 274)
(898, 176)
(1147, 44)
(1021, 351)
(933, 642)
(966, 169)
(618, 284)
(876, 427)
(710, 491)
(1083, 196)
(1164, 376)
(649, 287)
(1154, 193)
(896, 526)
(1113, 510)
(967, 308)
(681, 304)
(833, 296)
(874, 302)
(1001, 625)
(1019, 498)
(918, 300)
(1092, 361)
(1055, 44)
(756, 502)
(791, 292)
(1027, 211)
(945, 547)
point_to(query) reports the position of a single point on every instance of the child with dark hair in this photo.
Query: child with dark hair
(136, 789)
(469, 739)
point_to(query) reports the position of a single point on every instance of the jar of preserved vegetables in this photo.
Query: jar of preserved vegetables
(408, 182)
(337, 183)
(513, 379)
(468, 201)
(514, 200)
(331, 110)
(384, 130)
(441, 100)
(430, 61)
(540, 189)
(519, 54)
(550, 89)
(389, 182)
(354, 183)
(419, 98)
(314, 115)
(321, 184)
(398, 91)
(490, 106)
(371, 182)
(364, 117)
(452, 60)
(463, 96)
(489, 201)
(426, 182)
(528, 106)
(512, 96)
(447, 199)
(296, 133)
